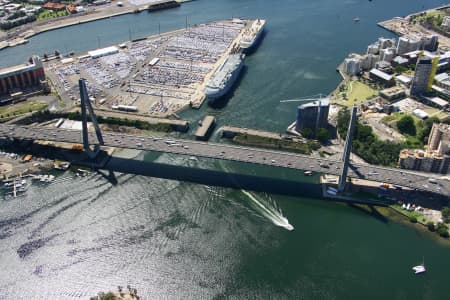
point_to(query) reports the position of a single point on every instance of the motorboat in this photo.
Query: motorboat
(420, 268)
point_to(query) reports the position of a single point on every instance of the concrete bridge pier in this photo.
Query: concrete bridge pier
(85, 102)
(347, 150)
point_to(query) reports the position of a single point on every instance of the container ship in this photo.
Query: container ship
(225, 76)
(252, 36)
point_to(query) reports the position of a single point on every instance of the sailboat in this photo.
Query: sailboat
(420, 268)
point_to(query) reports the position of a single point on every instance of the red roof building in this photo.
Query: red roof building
(71, 8)
(54, 6)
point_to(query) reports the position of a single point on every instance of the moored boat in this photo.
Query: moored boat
(252, 36)
(224, 77)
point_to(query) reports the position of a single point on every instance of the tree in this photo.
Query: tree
(413, 219)
(426, 129)
(307, 133)
(430, 226)
(322, 135)
(442, 230)
(445, 214)
(400, 69)
(406, 125)
(343, 119)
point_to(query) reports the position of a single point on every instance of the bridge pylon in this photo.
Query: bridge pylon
(347, 150)
(85, 102)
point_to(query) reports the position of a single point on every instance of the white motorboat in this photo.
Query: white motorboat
(420, 268)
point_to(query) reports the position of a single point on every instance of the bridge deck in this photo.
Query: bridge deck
(235, 153)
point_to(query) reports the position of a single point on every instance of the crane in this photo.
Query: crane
(310, 98)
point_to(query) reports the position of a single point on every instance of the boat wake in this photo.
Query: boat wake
(269, 211)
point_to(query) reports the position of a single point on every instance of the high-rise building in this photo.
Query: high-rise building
(386, 43)
(435, 158)
(424, 75)
(313, 115)
(407, 44)
(446, 23)
(387, 54)
(373, 48)
(429, 43)
(352, 65)
(439, 139)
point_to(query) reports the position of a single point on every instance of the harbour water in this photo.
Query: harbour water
(177, 240)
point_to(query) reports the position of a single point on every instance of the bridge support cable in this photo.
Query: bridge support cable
(85, 102)
(347, 150)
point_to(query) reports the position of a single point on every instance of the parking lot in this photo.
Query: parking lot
(156, 76)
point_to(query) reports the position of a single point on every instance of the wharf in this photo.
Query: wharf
(231, 131)
(154, 76)
(205, 128)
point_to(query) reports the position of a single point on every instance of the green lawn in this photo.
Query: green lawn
(266, 142)
(48, 14)
(397, 116)
(355, 92)
(418, 215)
(433, 112)
(9, 111)
(413, 141)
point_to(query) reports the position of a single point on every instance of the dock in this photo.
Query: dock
(231, 132)
(205, 128)
(154, 76)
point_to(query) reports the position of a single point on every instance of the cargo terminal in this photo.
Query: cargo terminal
(155, 76)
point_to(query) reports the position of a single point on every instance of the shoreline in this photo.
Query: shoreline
(34, 30)
(401, 26)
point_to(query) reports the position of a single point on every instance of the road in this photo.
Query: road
(414, 180)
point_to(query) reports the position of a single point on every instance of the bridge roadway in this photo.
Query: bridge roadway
(398, 177)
